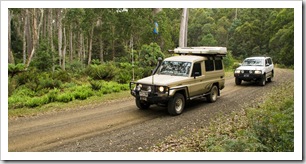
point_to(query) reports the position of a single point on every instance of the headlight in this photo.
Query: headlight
(237, 71)
(149, 89)
(138, 87)
(161, 89)
(258, 72)
(242, 71)
(250, 71)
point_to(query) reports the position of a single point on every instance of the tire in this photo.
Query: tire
(176, 104)
(212, 97)
(262, 81)
(238, 81)
(142, 105)
(270, 78)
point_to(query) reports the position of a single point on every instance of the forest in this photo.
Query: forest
(63, 54)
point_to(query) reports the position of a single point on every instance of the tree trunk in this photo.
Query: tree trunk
(80, 47)
(59, 27)
(113, 43)
(70, 43)
(90, 45)
(36, 31)
(101, 51)
(24, 49)
(10, 54)
(183, 33)
(50, 40)
(64, 50)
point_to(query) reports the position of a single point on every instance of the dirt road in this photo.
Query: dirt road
(120, 127)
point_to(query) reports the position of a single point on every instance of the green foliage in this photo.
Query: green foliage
(14, 69)
(43, 58)
(61, 75)
(149, 55)
(95, 85)
(228, 61)
(105, 71)
(65, 97)
(37, 101)
(82, 92)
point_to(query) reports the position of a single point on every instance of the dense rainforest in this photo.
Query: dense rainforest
(64, 54)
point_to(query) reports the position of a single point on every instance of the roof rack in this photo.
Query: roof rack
(202, 51)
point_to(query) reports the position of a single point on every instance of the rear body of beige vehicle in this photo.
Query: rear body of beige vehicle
(179, 79)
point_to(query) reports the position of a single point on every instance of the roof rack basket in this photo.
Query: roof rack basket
(201, 51)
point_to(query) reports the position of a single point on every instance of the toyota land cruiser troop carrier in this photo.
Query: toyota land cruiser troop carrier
(196, 72)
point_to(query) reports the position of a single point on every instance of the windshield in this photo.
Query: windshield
(252, 62)
(174, 68)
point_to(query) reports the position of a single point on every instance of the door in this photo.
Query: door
(196, 86)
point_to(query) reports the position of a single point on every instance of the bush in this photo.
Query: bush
(52, 95)
(62, 75)
(105, 71)
(14, 69)
(37, 101)
(95, 85)
(82, 92)
(65, 97)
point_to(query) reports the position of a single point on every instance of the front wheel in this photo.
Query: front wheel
(212, 97)
(176, 104)
(238, 81)
(142, 104)
(262, 81)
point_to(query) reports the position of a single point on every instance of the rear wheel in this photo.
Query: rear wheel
(212, 97)
(238, 81)
(142, 104)
(176, 104)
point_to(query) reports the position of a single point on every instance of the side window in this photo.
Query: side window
(218, 64)
(270, 61)
(196, 68)
(209, 65)
(267, 62)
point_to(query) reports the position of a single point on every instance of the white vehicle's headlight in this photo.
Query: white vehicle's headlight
(237, 71)
(242, 71)
(161, 89)
(258, 72)
(149, 89)
(250, 71)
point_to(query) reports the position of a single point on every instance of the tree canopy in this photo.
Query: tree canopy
(64, 36)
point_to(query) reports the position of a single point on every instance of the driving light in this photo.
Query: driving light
(258, 72)
(138, 88)
(161, 89)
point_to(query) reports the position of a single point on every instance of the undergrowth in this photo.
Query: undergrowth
(267, 128)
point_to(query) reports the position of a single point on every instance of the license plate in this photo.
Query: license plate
(143, 94)
(143, 98)
(246, 75)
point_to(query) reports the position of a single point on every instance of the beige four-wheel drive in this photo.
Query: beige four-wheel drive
(194, 72)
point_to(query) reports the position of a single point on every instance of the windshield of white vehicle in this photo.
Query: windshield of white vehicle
(252, 62)
(174, 68)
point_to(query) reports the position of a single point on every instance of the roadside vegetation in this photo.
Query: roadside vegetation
(268, 127)
(58, 56)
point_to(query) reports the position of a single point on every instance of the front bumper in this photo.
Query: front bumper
(248, 76)
(153, 97)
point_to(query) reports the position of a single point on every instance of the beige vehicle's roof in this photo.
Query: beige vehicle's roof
(186, 58)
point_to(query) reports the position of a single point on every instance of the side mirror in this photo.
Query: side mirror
(196, 74)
